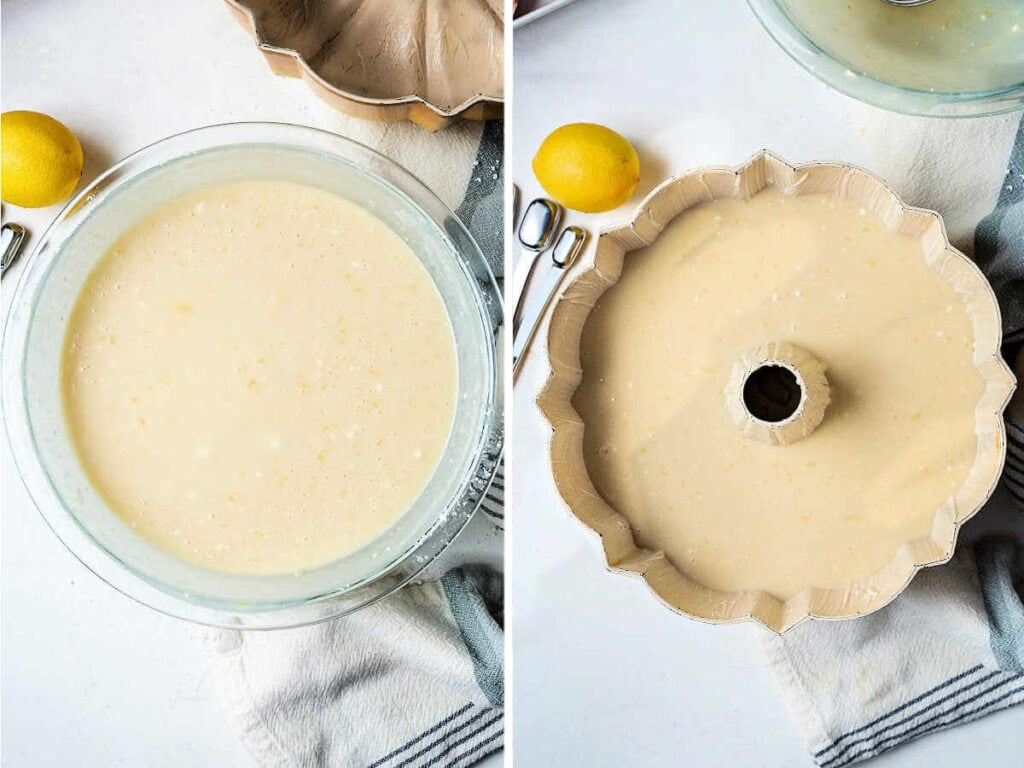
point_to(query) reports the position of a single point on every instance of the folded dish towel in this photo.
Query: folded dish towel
(949, 649)
(416, 679)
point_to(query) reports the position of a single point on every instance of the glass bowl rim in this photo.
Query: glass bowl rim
(106, 565)
(872, 90)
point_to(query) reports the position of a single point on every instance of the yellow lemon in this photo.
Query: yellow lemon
(41, 160)
(587, 167)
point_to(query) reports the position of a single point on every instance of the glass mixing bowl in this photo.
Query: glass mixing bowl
(50, 284)
(812, 55)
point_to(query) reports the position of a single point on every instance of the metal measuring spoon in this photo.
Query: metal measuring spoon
(540, 222)
(543, 287)
(11, 238)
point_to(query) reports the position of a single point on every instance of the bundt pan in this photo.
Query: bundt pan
(428, 61)
(619, 538)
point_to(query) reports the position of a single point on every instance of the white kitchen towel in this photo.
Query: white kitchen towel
(412, 681)
(950, 648)
(416, 679)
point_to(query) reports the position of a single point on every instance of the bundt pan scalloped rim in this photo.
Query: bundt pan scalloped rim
(605, 262)
(284, 57)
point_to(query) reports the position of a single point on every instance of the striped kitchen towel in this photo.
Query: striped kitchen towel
(1013, 473)
(417, 679)
(413, 681)
(950, 648)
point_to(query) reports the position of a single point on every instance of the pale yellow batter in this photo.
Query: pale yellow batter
(946, 45)
(259, 377)
(897, 438)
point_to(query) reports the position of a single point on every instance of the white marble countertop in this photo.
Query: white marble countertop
(603, 674)
(89, 677)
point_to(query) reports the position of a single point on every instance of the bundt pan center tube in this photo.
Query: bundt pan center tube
(777, 393)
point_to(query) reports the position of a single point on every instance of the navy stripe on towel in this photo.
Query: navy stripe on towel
(451, 726)
(448, 746)
(909, 718)
(1018, 496)
(1015, 442)
(992, 705)
(1012, 474)
(474, 754)
(946, 719)
(423, 735)
(493, 500)
(1013, 465)
(899, 709)
(433, 761)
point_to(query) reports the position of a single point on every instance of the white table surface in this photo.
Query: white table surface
(603, 674)
(90, 678)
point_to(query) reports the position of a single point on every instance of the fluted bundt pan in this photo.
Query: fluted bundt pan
(428, 61)
(619, 539)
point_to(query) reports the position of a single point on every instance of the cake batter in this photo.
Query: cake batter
(897, 439)
(259, 377)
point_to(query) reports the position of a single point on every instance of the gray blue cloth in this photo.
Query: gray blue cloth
(950, 648)
(483, 208)
(1000, 564)
(999, 251)
(999, 248)
(475, 599)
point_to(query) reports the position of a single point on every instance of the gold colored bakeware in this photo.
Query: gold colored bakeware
(430, 62)
(603, 267)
